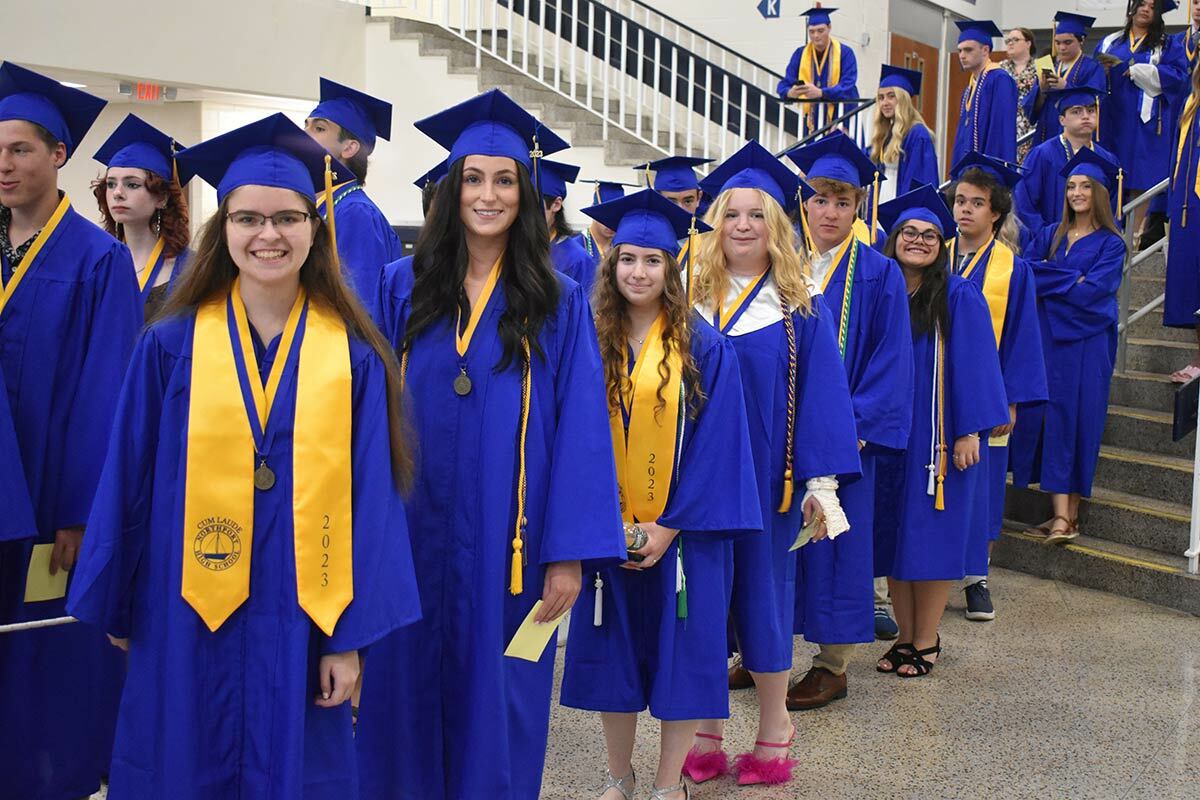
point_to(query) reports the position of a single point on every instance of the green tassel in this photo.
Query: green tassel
(681, 604)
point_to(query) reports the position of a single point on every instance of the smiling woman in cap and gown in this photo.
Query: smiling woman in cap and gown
(69, 314)
(655, 635)
(516, 494)
(348, 123)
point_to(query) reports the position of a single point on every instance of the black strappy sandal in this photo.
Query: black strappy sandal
(897, 655)
(916, 660)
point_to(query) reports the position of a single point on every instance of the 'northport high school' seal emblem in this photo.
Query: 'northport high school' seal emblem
(218, 543)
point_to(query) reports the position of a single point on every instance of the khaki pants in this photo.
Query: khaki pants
(834, 657)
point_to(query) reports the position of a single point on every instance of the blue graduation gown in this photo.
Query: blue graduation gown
(844, 89)
(440, 700)
(990, 127)
(1183, 256)
(17, 521)
(918, 542)
(1057, 444)
(365, 240)
(826, 443)
(583, 272)
(231, 713)
(65, 339)
(1142, 148)
(1086, 72)
(572, 260)
(918, 165)
(1024, 373)
(835, 599)
(1039, 197)
(643, 655)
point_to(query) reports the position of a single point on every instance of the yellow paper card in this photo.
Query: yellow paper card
(39, 583)
(998, 441)
(804, 537)
(531, 638)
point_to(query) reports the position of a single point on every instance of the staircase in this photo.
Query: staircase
(1136, 523)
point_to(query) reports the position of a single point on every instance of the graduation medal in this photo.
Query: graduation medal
(462, 383)
(462, 338)
(264, 477)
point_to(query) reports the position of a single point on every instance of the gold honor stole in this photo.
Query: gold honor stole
(996, 279)
(646, 459)
(1185, 139)
(811, 67)
(20, 270)
(221, 454)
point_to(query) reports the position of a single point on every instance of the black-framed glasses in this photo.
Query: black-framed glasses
(282, 220)
(910, 234)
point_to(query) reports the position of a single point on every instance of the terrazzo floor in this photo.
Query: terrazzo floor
(1070, 694)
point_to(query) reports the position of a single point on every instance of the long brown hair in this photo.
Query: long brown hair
(211, 273)
(610, 309)
(173, 217)
(1101, 215)
(788, 266)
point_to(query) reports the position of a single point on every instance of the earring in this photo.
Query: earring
(157, 222)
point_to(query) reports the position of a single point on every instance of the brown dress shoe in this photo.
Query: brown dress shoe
(739, 676)
(817, 689)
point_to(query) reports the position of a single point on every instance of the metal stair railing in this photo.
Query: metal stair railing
(1126, 319)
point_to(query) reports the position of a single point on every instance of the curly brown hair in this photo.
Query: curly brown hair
(174, 220)
(609, 307)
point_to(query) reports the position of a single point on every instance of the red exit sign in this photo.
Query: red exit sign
(147, 92)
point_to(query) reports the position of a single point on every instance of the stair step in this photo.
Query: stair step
(1151, 327)
(1110, 515)
(1163, 358)
(1097, 564)
(1148, 390)
(1143, 429)
(1161, 477)
(1153, 267)
(1143, 289)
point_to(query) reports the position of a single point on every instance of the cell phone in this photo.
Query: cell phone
(1047, 73)
(799, 83)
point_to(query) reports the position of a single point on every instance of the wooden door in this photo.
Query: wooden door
(923, 58)
(959, 80)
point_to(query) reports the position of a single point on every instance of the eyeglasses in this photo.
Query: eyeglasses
(1015, 39)
(911, 234)
(284, 221)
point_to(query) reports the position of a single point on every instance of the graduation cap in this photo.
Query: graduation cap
(924, 203)
(1066, 22)
(491, 124)
(1008, 174)
(1076, 96)
(139, 145)
(360, 114)
(753, 167)
(837, 158)
(675, 173)
(1097, 167)
(434, 175)
(607, 191)
(1169, 5)
(818, 16)
(270, 152)
(646, 219)
(555, 177)
(907, 79)
(978, 30)
(67, 113)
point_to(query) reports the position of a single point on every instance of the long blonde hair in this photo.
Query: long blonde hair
(888, 138)
(788, 266)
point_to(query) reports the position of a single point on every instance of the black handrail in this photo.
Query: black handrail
(862, 105)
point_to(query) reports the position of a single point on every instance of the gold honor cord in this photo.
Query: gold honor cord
(329, 220)
(645, 457)
(19, 271)
(939, 367)
(462, 339)
(789, 481)
(148, 269)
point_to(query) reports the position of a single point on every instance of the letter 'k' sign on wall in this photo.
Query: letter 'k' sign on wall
(769, 9)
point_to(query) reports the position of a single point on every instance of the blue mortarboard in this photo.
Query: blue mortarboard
(837, 158)
(818, 16)
(270, 152)
(645, 219)
(924, 203)
(67, 113)
(138, 145)
(607, 191)
(555, 177)
(753, 167)
(490, 125)
(1002, 171)
(978, 30)
(1169, 5)
(675, 173)
(1077, 24)
(434, 175)
(1088, 162)
(907, 79)
(361, 114)
(1076, 96)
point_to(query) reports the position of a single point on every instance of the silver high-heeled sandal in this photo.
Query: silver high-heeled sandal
(612, 782)
(661, 794)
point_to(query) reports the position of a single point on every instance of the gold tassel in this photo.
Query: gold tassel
(875, 209)
(329, 210)
(808, 240)
(1120, 192)
(693, 237)
(788, 490)
(517, 579)
(939, 500)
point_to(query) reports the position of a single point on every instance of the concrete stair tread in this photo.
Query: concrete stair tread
(1143, 342)
(1146, 414)
(1176, 512)
(1103, 548)
(1146, 459)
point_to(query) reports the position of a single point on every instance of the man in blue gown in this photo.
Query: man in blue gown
(823, 69)
(69, 312)
(565, 250)
(347, 123)
(987, 120)
(864, 290)
(596, 238)
(1072, 70)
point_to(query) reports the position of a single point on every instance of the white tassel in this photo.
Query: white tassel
(598, 606)
(679, 579)
(931, 489)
